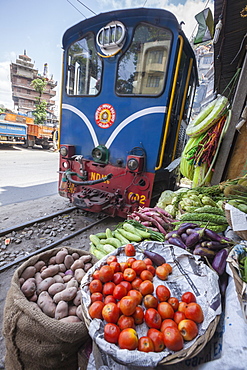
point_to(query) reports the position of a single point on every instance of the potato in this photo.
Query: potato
(28, 288)
(62, 310)
(68, 261)
(71, 319)
(38, 265)
(77, 299)
(79, 313)
(58, 278)
(21, 281)
(72, 282)
(67, 278)
(29, 272)
(50, 271)
(61, 255)
(46, 304)
(75, 255)
(38, 278)
(66, 295)
(62, 267)
(34, 297)
(78, 264)
(45, 284)
(72, 310)
(79, 273)
(56, 288)
(52, 260)
(86, 258)
(87, 266)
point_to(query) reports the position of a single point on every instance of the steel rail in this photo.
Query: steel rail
(52, 245)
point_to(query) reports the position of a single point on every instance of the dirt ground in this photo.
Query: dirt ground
(19, 213)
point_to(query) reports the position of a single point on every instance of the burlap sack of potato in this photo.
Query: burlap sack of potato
(35, 341)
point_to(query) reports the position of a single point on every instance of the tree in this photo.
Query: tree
(39, 84)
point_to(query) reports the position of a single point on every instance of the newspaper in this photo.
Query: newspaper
(189, 274)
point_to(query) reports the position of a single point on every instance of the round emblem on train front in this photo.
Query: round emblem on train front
(105, 115)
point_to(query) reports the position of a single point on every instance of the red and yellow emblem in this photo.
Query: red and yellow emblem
(105, 115)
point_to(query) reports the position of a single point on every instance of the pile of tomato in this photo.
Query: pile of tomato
(123, 294)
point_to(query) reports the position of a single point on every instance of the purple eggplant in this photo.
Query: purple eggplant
(193, 230)
(203, 251)
(178, 242)
(219, 261)
(215, 245)
(192, 239)
(171, 234)
(184, 236)
(182, 228)
(212, 235)
(156, 258)
(223, 282)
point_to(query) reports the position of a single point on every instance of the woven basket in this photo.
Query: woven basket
(241, 234)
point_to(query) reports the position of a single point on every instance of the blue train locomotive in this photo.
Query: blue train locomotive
(129, 78)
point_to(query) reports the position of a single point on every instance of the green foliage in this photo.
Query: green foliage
(39, 84)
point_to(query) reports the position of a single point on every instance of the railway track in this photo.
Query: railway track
(20, 242)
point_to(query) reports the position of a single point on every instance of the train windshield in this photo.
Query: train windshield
(142, 69)
(84, 68)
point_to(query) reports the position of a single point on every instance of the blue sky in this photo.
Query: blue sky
(38, 27)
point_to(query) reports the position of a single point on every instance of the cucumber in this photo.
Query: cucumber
(130, 236)
(121, 238)
(94, 239)
(99, 254)
(101, 235)
(108, 233)
(113, 241)
(132, 229)
(108, 248)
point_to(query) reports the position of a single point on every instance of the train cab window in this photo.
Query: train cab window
(142, 69)
(84, 68)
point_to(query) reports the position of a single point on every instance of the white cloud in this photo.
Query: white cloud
(5, 85)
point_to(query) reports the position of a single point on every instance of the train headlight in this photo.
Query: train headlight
(63, 151)
(135, 163)
(100, 154)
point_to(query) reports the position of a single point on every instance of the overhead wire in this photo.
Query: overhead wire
(87, 7)
(76, 8)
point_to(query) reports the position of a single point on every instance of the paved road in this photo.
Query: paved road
(27, 174)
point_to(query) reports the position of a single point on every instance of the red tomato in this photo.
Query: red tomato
(165, 310)
(146, 287)
(128, 339)
(135, 294)
(173, 339)
(146, 275)
(129, 274)
(194, 312)
(138, 315)
(178, 316)
(162, 272)
(97, 296)
(95, 286)
(151, 269)
(111, 259)
(188, 329)
(116, 266)
(130, 261)
(123, 266)
(139, 266)
(150, 301)
(157, 338)
(167, 323)
(106, 273)
(145, 344)
(95, 310)
(153, 318)
(188, 297)
(111, 313)
(126, 284)
(108, 288)
(174, 302)
(129, 250)
(168, 267)
(148, 261)
(127, 305)
(109, 299)
(125, 322)
(111, 333)
(119, 292)
(96, 275)
(136, 283)
(162, 293)
(117, 278)
(182, 306)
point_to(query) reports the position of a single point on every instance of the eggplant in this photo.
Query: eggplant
(203, 251)
(184, 236)
(178, 242)
(182, 229)
(171, 234)
(216, 237)
(223, 282)
(219, 261)
(192, 239)
(193, 230)
(215, 245)
(156, 258)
